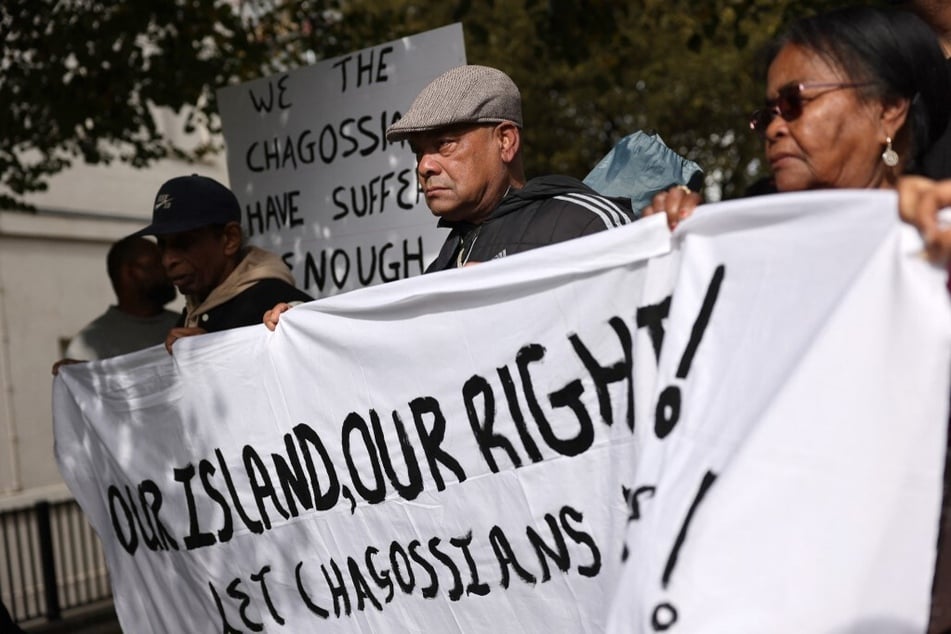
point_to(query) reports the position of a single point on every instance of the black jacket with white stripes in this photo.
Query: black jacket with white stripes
(547, 210)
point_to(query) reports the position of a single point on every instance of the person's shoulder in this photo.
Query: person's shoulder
(169, 317)
(574, 203)
(100, 323)
(279, 290)
(82, 345)
(104, 317)
(551, 184)
(248, 307)
(79, 348)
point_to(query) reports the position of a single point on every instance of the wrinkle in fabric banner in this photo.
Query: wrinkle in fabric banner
(737, 427)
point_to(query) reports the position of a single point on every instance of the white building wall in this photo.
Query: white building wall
(52, 282)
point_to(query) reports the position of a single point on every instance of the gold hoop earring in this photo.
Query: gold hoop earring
(889, 156)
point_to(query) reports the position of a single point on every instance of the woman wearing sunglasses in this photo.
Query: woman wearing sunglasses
(855, 98)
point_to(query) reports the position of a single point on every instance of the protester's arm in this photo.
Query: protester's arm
(919, 200)
(677, 202)
(177, 333)
(273, 316)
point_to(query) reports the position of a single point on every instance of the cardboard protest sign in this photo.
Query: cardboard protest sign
(317, 181)
(630, 432)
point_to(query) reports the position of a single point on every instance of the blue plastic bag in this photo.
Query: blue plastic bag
(639, 166)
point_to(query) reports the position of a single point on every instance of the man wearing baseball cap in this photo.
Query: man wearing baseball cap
(226, 283)
(465, 128)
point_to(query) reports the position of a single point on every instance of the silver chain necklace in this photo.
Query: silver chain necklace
(465, 253)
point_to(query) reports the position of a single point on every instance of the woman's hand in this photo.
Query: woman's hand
(678, 203)
(919, 200)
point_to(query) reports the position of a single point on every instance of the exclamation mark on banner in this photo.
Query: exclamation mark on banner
(668, 403)
(665, 614)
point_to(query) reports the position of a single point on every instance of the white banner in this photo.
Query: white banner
(737, 430)
(317, 181)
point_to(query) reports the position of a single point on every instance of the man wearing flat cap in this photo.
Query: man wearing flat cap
(465, 129)
(226, 284)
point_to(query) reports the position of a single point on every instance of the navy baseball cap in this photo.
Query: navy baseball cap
(191, 202)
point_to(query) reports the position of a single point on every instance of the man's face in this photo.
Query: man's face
(460, 171)
(196, 261)
(150, 276)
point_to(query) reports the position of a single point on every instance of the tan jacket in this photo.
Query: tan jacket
(256, 265)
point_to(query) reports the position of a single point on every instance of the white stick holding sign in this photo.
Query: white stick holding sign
(317, 181)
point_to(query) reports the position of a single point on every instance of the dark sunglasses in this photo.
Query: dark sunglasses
(789, 102)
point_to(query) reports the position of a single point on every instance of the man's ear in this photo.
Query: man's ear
(231, 236)
(509, 138)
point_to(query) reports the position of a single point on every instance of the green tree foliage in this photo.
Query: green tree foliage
(81, 78)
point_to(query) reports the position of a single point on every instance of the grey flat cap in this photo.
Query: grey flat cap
(465, 94)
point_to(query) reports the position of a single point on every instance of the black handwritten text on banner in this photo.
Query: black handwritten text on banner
(631, 431)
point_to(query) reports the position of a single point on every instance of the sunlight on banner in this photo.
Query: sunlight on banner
(634, 431)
